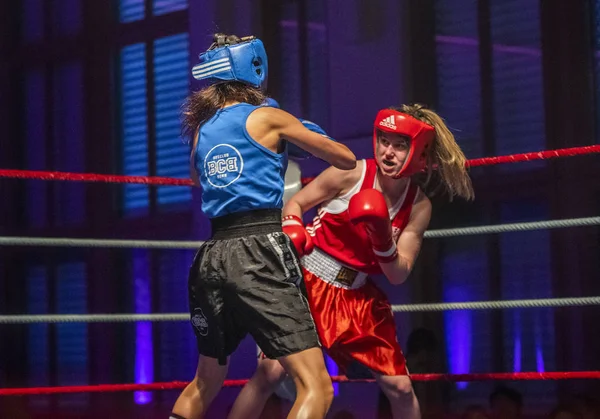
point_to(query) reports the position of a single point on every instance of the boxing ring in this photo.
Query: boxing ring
(180, 317)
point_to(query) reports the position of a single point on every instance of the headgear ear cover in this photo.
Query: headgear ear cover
(420, 134)
(233, 59)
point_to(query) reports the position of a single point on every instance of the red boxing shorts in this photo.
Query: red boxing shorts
(354, 318)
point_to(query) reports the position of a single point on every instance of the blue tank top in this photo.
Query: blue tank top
(237, 173)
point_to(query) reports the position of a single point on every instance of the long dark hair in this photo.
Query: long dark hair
(200, 106)
(445, 155)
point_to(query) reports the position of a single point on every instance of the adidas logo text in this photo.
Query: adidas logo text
(388, 122)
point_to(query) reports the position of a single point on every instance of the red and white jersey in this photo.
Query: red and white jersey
(333, 233)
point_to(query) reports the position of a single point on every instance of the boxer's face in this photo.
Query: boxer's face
(391, 152)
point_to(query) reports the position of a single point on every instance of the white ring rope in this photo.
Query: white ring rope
(505, 228)
(495, 305)
(68, 242)
(405, 308)
(166, 244)
(161, 244)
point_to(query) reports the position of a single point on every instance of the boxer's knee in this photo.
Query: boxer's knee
(397, 388)
(269, 375)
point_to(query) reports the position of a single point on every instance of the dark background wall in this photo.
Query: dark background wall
(95, 86)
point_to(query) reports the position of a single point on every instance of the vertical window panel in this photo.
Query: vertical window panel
(178, 348)
(161, 7)
(134, 120)
(458, 73)
(38, 349)
(517, 80)
(526, 273)
(71, 338)
(131, 10)
(465, 270)
(171, 86)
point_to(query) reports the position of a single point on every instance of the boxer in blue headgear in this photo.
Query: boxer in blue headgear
(230, 58)
(247, 278)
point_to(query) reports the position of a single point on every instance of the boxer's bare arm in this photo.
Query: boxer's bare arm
(271, 125)
(331, 183)
(409, 242)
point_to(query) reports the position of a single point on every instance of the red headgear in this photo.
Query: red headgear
(421, 136)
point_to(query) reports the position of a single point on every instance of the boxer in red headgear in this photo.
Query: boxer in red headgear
(371, 220)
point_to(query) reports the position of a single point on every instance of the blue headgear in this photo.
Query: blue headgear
(245, 62)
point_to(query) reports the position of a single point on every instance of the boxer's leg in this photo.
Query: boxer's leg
(253, 397)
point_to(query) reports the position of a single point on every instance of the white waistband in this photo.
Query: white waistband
(332, 271)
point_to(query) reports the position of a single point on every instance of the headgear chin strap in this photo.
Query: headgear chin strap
(421, 137)
(225, 60)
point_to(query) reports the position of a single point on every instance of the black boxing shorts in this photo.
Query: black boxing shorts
(248, 279)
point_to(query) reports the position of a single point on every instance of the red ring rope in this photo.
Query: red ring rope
(538, 155)
(155, 180)
(174, 385)
(93, 177)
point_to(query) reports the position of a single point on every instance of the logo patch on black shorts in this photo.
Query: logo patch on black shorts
(200, 322)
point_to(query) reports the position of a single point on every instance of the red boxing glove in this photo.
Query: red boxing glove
(368, 207)
(294, 228)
